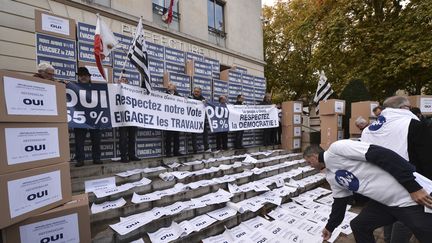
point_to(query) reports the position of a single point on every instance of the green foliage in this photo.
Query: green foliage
(386, 44)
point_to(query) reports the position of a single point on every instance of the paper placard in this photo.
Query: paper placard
(30, 144)
(25, 97)
(96, 76)
(372, 106)
(426, 105)
(64, 228)
(296, 143)
(339, 106)
(34, 192)
(98, 208)
(298, 107)
(98, 184)
(55, 24)
(297, 131)
(297, 119)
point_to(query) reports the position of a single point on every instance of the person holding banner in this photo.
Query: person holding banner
(238, 141)
(222, 137)
(84, 77)
(127, 139)
(269, 134)
(173, 136)
(197, 95)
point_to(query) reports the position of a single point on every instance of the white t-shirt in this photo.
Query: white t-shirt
(347, 171)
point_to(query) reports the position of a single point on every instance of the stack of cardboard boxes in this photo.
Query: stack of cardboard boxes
(34, 172)
(291, 125)
(362, 109)
(331, 115)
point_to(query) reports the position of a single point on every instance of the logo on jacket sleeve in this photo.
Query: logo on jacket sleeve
(377, 124)
(347, 180)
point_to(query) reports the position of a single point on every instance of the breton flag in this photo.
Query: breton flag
(104, 43)
(168, 14)
(138, 56)
(323, 91)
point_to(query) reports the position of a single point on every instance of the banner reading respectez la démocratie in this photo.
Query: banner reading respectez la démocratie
(243, 117)
(131, 106)
(87, 106)
(224, 118)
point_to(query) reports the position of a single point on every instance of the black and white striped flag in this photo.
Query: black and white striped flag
(323, 91)
(138, 56)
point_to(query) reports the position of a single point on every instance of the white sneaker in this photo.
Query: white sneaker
(207, 151)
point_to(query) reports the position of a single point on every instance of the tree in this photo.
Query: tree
(387, 44)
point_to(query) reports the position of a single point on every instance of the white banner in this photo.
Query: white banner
(252, 117)
(131, 106)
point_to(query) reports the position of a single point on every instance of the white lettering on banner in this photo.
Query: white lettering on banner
(24, 97)
(131, 106)
(252, 117)
(30, 144)
(55, 24)
(34, 192)
(61, 229)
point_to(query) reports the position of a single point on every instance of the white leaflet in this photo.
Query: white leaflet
(222, 213)
(129, 173)
(143, 182)
(153, 169)
(166, 176)
(249, 160)
(111, 191)
(226, 237)
(167, 234)
(136, 198)
(97, 208)
(233, 188)
(98, 184)
(132, 223)
(202, 222)
(236, 207)
(181, 174)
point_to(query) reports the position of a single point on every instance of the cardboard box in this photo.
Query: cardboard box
(291, 120)
(331, 107)
(332, 121)
(424, 102)
(330, 135)
(56, 25)
(30, 192)
(68, 223)
(291, 143)
(291, 107)
(29, 99)
(291, 131)
(363, 109)
(353, 129)
(32, 145)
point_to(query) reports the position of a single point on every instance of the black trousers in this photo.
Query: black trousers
(222, 140)
(269, 136)
(205, 138)
(376, 215)
(174, 137)
(127, 141)
(80, 136)
(238, 139)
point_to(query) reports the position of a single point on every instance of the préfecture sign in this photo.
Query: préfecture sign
(56, 25)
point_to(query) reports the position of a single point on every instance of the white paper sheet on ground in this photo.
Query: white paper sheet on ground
(181, 174)
(196, 162)
(166, 176)
(236, 207)
(271, 197)
(143, 182)
(111, 191)
(176, 208)
(251, 206)
(318, 217)
(172, 165)
(258, 237)
(298, 212)
(255, 223)
(132, 223)
(202, 222)
(138, 241)
(249, 160)
(98, 184)
(247, 187)
(284, 191)
(153, 169)
(222, 213)
(129, 173)
(335, 235)
(237, 164)
(240, 233)
(224, 167)
(167, 234)
(311, 228)
(187, 228)
(327, 200)
(223, 179)
(259, 187)
(317, 207)
(193, 203)
(257, 171)
(136, 198)
(225, 237)
(97, 208)
(296, 236)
